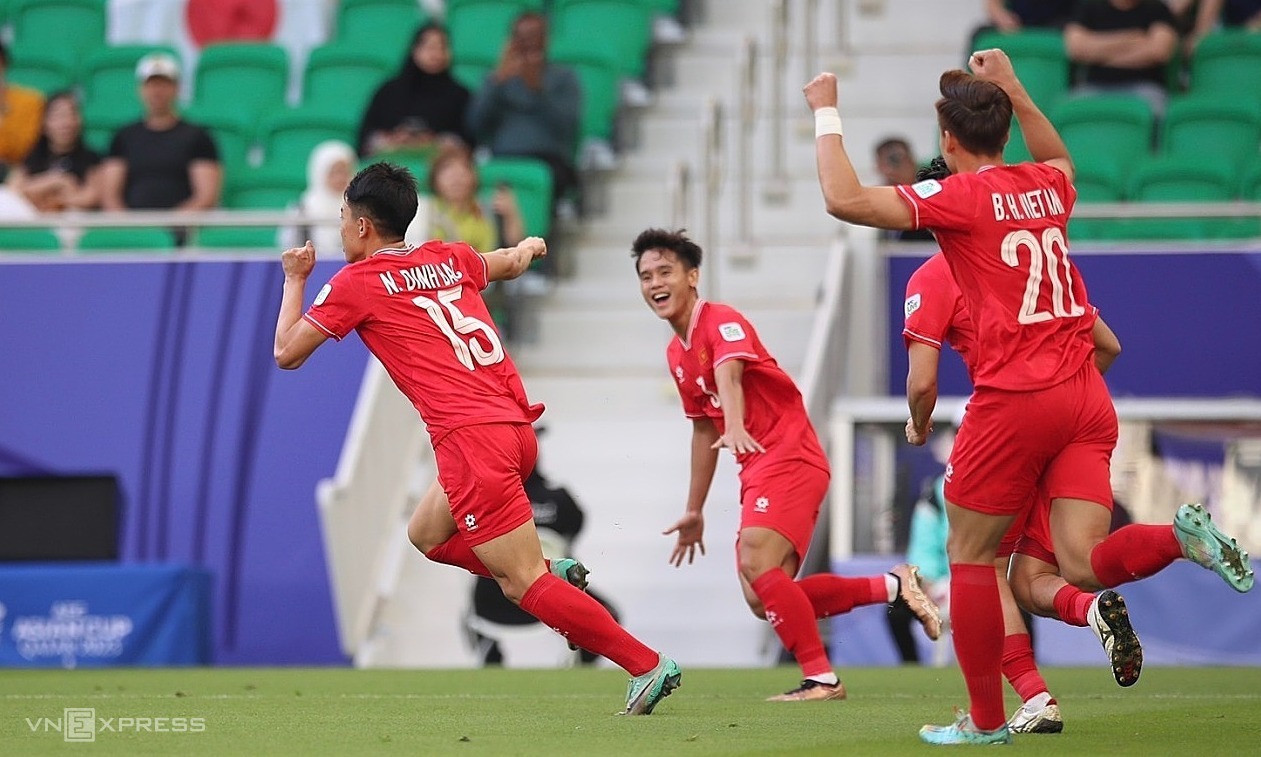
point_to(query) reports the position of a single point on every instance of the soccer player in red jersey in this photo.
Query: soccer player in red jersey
(740, 399)
(1040, 413)
(419, 310)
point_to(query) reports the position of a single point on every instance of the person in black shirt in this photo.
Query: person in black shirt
(1123, 46)
(161, 161)
(60, 173)
(423, 107)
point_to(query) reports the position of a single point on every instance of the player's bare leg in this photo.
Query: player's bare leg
(768, 562)
(515, 561)
(432, 531)
(1039, 712)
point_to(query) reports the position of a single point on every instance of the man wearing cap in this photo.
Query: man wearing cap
(161, 161)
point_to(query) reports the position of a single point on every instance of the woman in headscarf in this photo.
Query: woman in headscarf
(423, 107)
(328, 171)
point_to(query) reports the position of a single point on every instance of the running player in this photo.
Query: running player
(740, 399)
(419, 310)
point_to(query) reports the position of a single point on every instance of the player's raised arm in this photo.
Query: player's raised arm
(843, 194)
(511, 262)
(295, 338)
(1041, 138)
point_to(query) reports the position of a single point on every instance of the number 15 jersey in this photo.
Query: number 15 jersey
(420, 311)
(1003, 232)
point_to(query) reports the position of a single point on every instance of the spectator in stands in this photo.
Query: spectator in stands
(1123, 46)
(161, 161)
(328, 172)
(60, 173)
(1244, 14)
(457, 215)
(1013, 15)
(21, 109)
(423, 107)
(529, 107)
(896, 164)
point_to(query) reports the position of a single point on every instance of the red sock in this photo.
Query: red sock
(1071, 604)
(789, 612)
(455, 551)
(585, 622)
(1019, 668)
(978, 640)
(832, 595)
(1133, 552)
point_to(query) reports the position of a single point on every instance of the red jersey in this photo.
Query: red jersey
(1003, 232)
(774, 413)
(419, 310)
(935, 312)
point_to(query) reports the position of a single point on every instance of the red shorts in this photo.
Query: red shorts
(1009, 442)
(1036, 540)
(785, 498)
(483, 469)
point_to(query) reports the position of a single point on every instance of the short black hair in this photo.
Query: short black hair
(386, 193)
(936, 169)
(687, 251)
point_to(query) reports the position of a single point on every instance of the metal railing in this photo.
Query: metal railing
(747, 97)
(680, 195)
(712, 174)
(777, 185)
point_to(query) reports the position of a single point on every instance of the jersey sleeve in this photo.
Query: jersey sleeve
(929, 308)
(730, 336)
(339, 306)
(471, 262)
(949, 204)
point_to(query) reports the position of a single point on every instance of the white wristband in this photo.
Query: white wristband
(827, 121)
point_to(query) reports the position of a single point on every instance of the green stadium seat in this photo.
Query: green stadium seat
(237, 237)
(1178, 179)
(670, 7)
(289, 136)
(248, 77)
(103, 118)
(40, 67)
(597, 73)
(1039, 59)
(127, 240)
(344, 76)
(624, 26)
(383, 24)
(479, 29)
(1096, 181)
(263, 188)
(1227, 62)
(232, 131)
(71, 29)
(531, 181)
(1109, 127)
(109, 75)
(1214, 126)
(28, 240)
(416, 161)
(1250, 189)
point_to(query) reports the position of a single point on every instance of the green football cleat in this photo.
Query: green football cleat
(645, 691)
(570, 570)
(1203, 543)
(962, 731)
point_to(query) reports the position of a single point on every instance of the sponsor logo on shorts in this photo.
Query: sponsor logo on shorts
(761, 505)
(470, 522)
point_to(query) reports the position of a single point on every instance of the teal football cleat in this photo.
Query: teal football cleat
(962, 731)
(646, 691)
(1203, 543)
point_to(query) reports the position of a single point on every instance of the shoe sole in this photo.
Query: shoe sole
(1205, 544)
(1127, 652)
(647, 703)
(1040, 726)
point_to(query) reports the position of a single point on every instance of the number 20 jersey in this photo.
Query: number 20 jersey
(1003, 232)
(419, 310)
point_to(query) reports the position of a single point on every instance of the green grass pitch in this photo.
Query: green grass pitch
(571, 712)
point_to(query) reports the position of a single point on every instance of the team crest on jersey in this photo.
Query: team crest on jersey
(731, 332)
(926, 188)
(912, 304)
(703, 356)
(323, 295)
